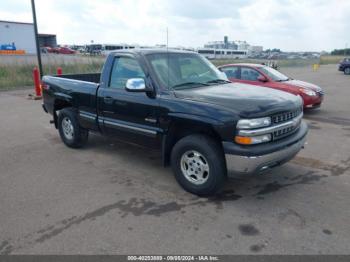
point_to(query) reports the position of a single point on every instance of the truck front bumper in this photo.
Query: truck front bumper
(253, 161)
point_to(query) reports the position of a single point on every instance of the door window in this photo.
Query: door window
(123, 69)
(231, 71)
(249, 74)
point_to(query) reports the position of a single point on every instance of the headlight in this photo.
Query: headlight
(254, 123)
(308, 92)
(245, 140)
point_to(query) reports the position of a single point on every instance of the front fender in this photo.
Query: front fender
(193, 117)
(183, 124)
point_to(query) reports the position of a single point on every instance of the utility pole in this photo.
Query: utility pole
(37, 39)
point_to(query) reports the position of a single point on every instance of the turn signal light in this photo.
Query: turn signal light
(243, 140)
(246, 140)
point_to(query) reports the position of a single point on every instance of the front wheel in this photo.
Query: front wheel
(70, 132)
(347, 71)
(199, 165)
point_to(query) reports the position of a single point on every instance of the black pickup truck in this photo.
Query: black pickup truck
(180, 103)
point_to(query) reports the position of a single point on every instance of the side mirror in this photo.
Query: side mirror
(262, 79)
(136, 85)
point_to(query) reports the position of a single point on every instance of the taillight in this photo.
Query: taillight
(44, 86)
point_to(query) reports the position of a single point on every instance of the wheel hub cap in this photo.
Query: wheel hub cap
(67, 127)
(195, 167)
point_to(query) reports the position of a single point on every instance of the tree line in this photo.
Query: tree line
(345, 51)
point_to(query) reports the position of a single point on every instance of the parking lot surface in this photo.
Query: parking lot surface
(113, 198)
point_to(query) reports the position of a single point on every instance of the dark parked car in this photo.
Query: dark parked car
(182, 105)
(265, 76)
(344, 66)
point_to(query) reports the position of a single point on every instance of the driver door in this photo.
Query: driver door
(130, 116)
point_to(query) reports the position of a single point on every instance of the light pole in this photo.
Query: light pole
(37, 40)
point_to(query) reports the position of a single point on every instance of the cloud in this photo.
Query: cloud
(204, 9)
(286, 24)
(297, 25)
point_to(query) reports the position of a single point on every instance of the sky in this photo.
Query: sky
(291, 25)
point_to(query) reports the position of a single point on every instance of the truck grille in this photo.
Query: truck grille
(283, 117)
(284, 132)
(283, 124)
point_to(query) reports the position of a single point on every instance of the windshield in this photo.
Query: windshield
(274, 74)
(182, 71)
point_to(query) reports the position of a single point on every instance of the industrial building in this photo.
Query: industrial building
(226, 44)
(242, 45)
(233, 45)
(256, 49)
(20, 36)
(47, 40)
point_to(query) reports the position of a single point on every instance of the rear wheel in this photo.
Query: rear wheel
(347, 71)
(70, 132)
(199, 165)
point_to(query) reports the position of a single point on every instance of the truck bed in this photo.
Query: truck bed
(91, 77)
(79, 89)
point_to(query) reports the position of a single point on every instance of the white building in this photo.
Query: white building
(256, 48)
(242, 45)
(21, 34)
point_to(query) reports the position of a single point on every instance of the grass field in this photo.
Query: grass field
(330, 59)
(18, 73)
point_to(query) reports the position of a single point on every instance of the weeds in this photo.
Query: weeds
(330, 59)
(19, 72)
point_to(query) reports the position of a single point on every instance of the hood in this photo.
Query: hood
(243, 99)
(303, 84)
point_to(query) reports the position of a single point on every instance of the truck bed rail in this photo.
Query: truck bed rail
(90, 77)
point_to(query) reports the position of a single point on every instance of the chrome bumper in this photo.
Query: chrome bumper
(256, 164)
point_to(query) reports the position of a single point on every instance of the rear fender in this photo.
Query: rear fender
(61, 101)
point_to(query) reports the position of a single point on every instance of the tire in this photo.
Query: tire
(70, 132)
(347, 71)
(201, 154)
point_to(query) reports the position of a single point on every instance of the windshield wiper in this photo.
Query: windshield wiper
(189, 84)
(218, 81)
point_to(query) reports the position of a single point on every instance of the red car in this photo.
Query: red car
(262, 75)
(59, 50)
(65, 50)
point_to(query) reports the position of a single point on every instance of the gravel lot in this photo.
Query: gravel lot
(112, 198)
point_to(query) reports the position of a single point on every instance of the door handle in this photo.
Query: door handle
(108, 99)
